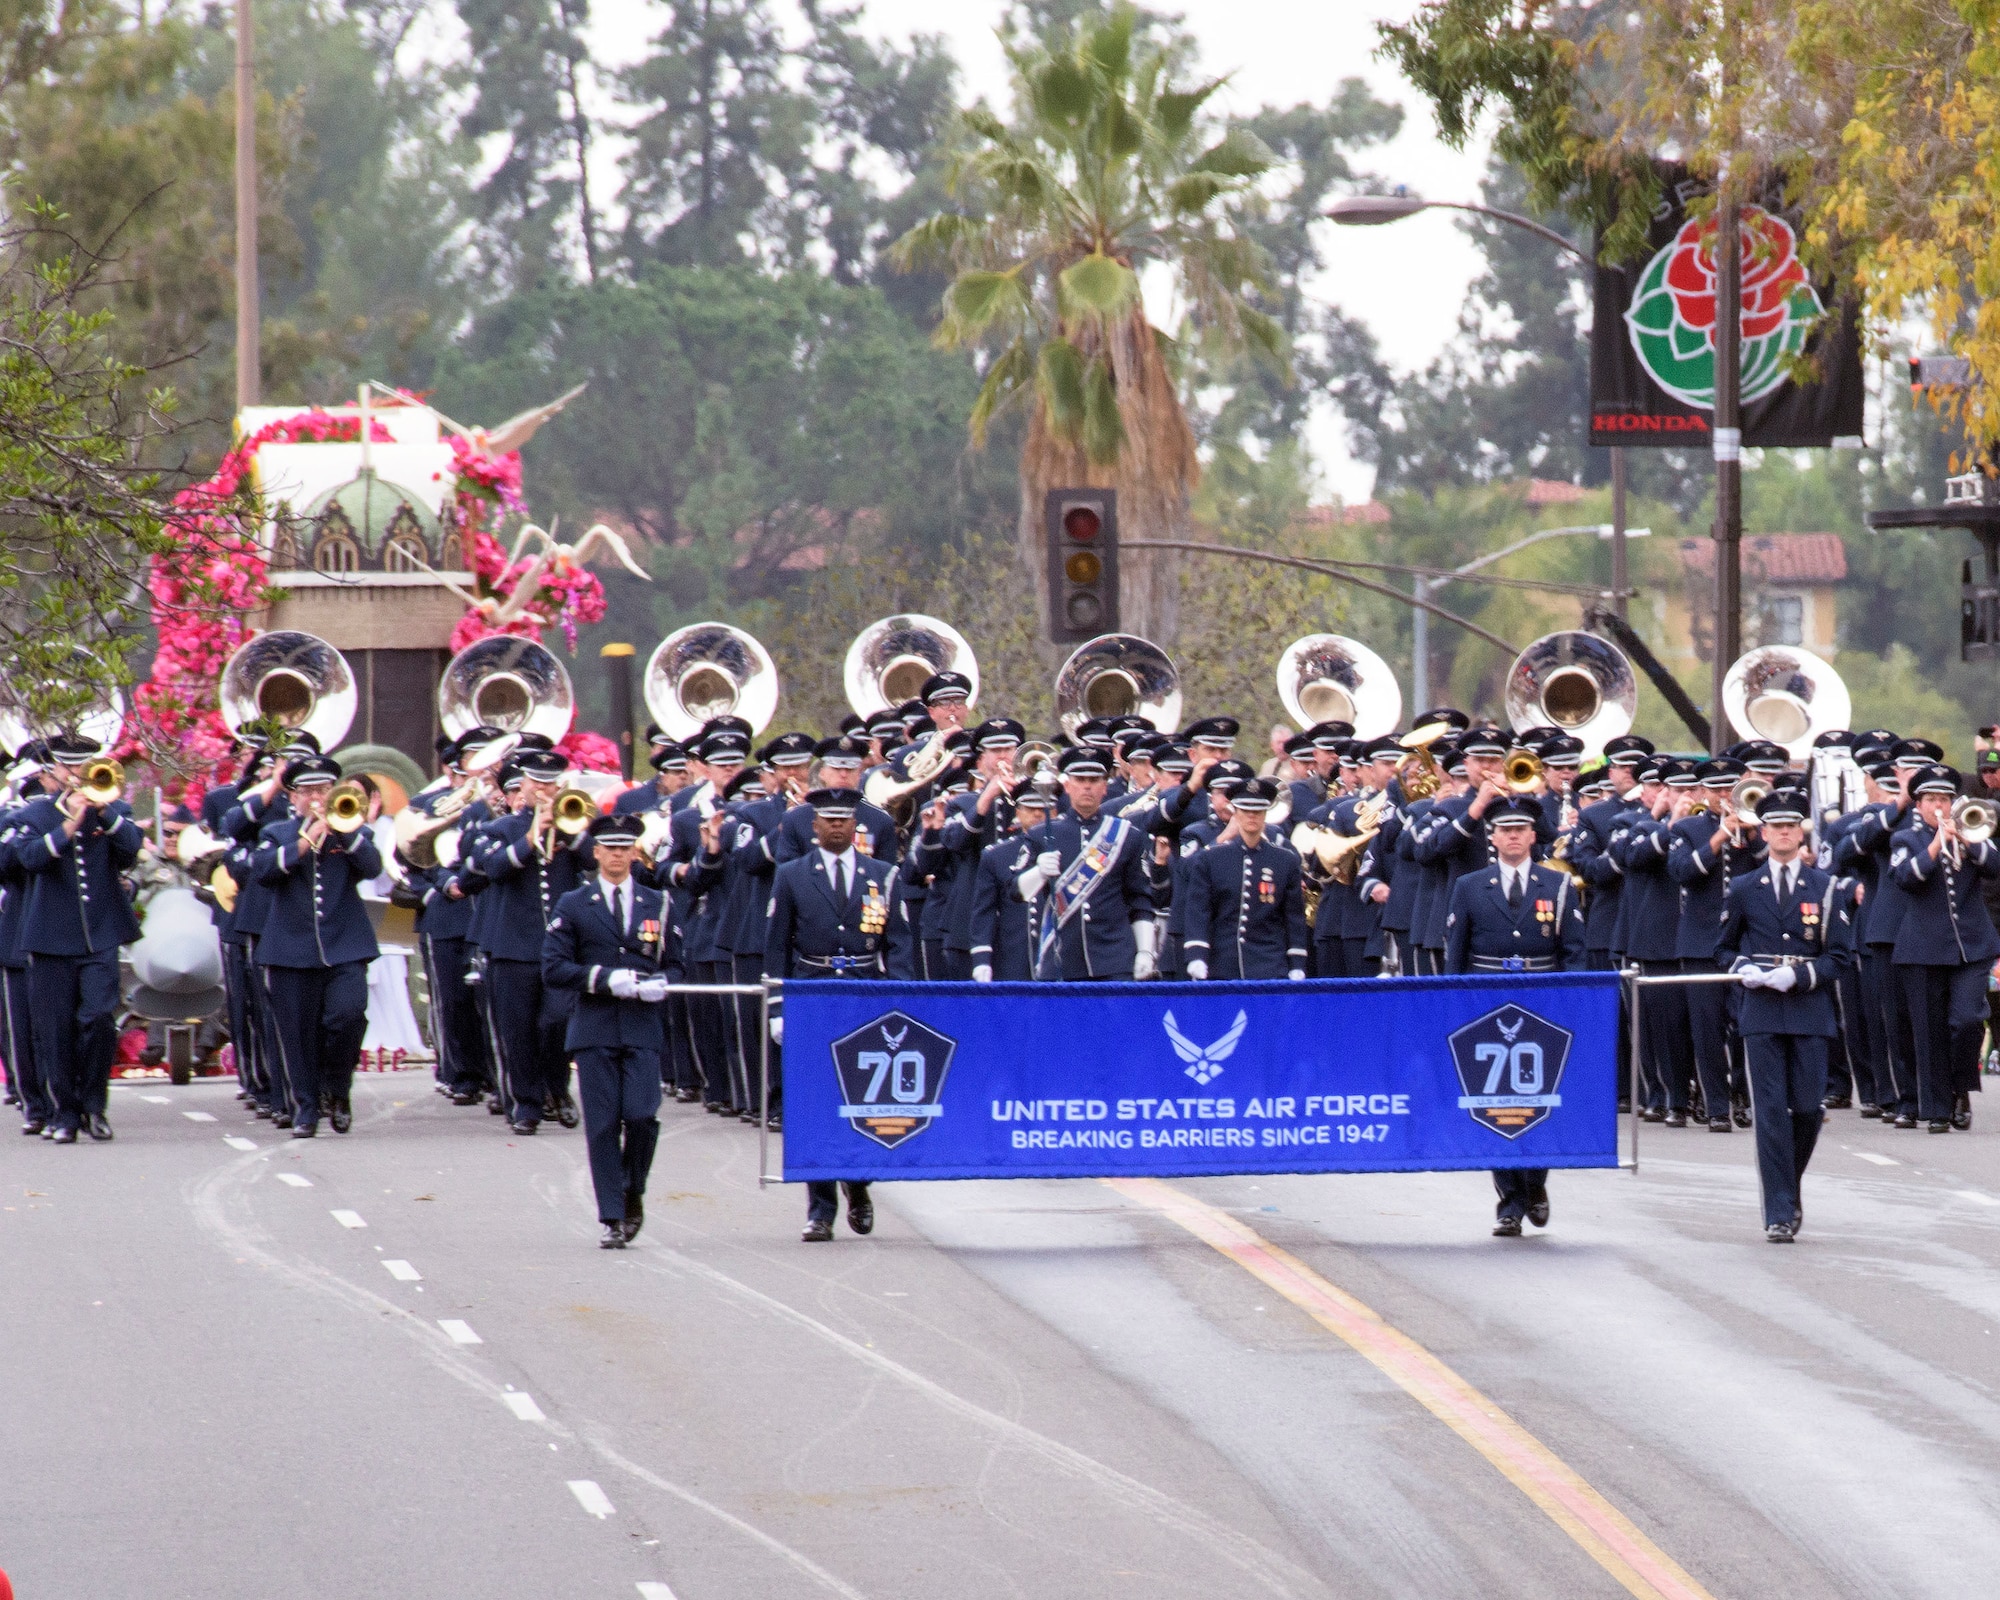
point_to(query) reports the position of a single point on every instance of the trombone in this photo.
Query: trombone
(101, 782)
(1522, 771)
(346, 807)
(1973, 819)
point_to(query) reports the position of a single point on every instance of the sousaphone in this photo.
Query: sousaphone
(1577, 682)
(1787, 696)
(1119, 675)
(889, 661)
(294, 680)
(1327, 677)
(509, 683)
(709, 669)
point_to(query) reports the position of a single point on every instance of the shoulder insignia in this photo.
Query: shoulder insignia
(1190, 846)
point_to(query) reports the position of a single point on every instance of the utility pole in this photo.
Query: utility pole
(1728, 454)
(1619, 573)
(1420, 652)
(248, 361)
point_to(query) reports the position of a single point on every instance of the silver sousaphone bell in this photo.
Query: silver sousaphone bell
(1119, 675)
(296, 680)
(889, 661)
(709, 669)
(504, 682)
(1327, 677)
(1577, 682)
(1787, 696)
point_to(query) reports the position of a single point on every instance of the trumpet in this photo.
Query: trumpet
(1974, 820)
(572, 811)
(1523, 771)
(346, 807)
(101, 782)
(1744, 799)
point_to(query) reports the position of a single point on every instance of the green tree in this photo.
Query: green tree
(1110, 167)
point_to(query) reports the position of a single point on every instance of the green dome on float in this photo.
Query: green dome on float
(368, 524)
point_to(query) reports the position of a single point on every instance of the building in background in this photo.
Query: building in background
(1791, 595)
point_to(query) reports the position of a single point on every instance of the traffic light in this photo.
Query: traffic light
(1083, 563)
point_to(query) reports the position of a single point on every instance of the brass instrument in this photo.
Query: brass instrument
(346, 807)
(444, 849)
(1577, 682)
(1786, 695)
(890, 660)
(508, 683)
(196, 844)
(1327, 677)
(572, 811)
(709, 669)
(1116, 675)
(292, 679)
(1427, 778)
(101, 781)
(417, 831)
(1974, 819)
(1522, 771)
(1035, 766)
(1744, 799)
(1339, 854)
(655, 833)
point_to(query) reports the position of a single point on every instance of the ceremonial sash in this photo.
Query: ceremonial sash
(1078, 880)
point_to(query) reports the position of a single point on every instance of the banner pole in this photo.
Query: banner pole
(1632, 990)
(764, 1085)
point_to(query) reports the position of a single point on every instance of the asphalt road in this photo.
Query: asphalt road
(396, 1365)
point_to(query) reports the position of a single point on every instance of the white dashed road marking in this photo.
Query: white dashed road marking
(590, 1497)
(522, 1405)
(1880, 1161)
(403, 1272)
(238, 1142)
(459, 1332)
(655, 1591)
(198, 1116)
(295, 1180)
(349, 1219)
(1975, 1195)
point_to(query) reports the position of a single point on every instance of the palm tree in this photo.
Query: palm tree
(1110, 168)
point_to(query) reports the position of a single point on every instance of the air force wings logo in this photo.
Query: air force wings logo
(1510, 1065)
(1204, 1062)
(891, 1075)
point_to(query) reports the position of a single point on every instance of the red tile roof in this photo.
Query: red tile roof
(1554, 492)
(1804, 558)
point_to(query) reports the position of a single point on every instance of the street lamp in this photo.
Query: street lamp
(1420, 633)
(1374, 210)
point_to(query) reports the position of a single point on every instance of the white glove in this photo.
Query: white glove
(1783, 980)
(652, 990)
(1029, 884)
(1049, 863)
(777, 1030)
(1753, 977)
(1143, 964)
(1297, 974)
(982, 974)
(1197, 970)
(624, 984)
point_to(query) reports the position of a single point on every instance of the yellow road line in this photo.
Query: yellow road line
(1580, 1511)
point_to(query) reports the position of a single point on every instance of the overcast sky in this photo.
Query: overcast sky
(1405, 281)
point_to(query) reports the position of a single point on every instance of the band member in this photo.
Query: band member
(1882, 908)
(1246, 908)
(1098, 925)
(315, 945)
(669, 762)
(1003, 925)
(1708, 849)
(1650, 936)
(833, 915)
(841, 761)
(1945, 946)
(444, 922)
(1590, 850)
(31, 778)
(530, 865)
(1515, 917)
(612, 945)
(695, 869)
(1776, 934)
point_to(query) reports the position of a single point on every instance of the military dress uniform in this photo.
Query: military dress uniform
(1246, 915)
(1108, 934)
(1003, 926)
(1771, 927)
(1704, 873)
(1945, 947)
(17, 1012)
(314, 952)
(834, 919)
(77, 915)
(243, 825)
(444, 926)
(1515, 921)
(1650, 936)
(1864, 850)
(603, 943)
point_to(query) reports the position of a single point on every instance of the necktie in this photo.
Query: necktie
(839, 882)
(618, 909)
(1784, 884)
(1514, 890)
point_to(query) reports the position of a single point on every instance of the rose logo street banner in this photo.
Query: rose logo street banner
(1099, 1080)
(1652, 347)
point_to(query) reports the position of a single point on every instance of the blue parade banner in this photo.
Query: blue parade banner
(1032, 1080)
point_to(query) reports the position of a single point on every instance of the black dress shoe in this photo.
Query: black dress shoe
(1869, 1112)
(1538, 1213)
(1837, 1102)
(635, 1214)
(493, 1105)
(99, 1126)
(687, 1097)
(817, 1232)
(524, 1129)
(750, 1117)
(281, 1119)
(1940, 1125)
(1652, 1114)
(566, 1112)
(1906, 1119)
(465, 1097)
(861, 1216)
(64, 1136)
(1721, 1125)
(305, 1130)
(1677, 1119)
(1781, 1233)
(1741, 1114)
(263, 1113)
(1961, 1112)
(775, 1122)
(613, 1236)
(1507, 1228)
(342, 1115)
(715, 1108)
(33, 1126)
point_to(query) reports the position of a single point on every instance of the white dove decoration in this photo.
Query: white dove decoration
(1205, 1061)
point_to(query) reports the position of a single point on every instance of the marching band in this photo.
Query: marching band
(1820, 896)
